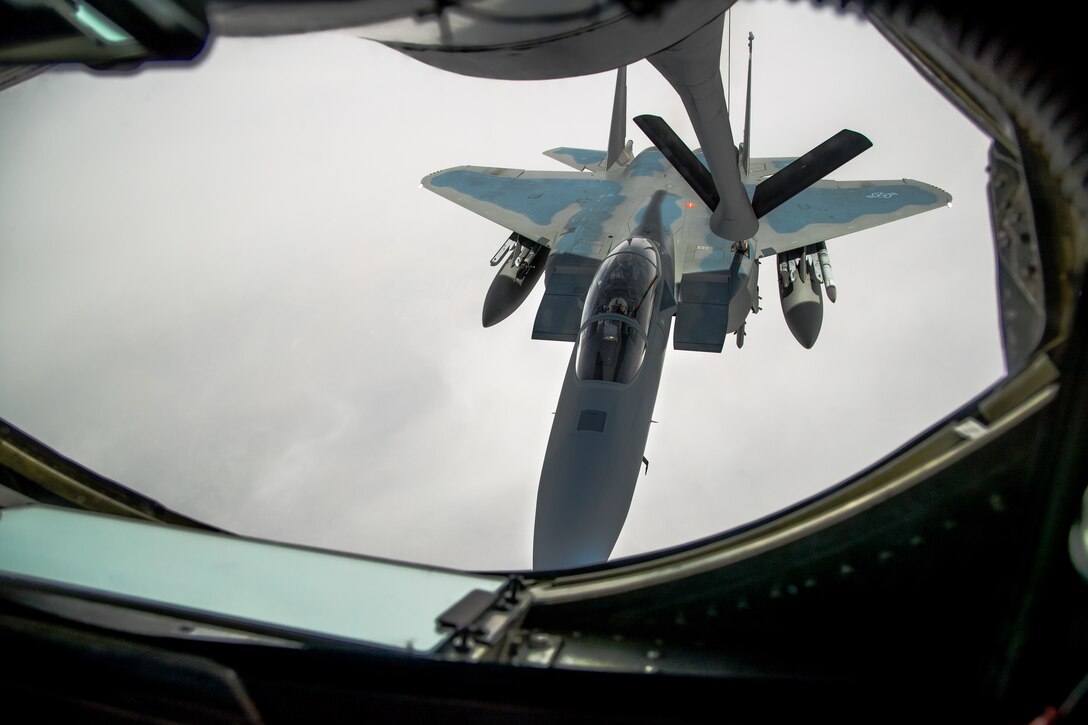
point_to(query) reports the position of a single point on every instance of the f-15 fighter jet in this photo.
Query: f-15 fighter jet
(626, 243)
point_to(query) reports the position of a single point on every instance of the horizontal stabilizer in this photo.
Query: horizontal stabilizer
(807, 170)
(681, 157)
(577, 159)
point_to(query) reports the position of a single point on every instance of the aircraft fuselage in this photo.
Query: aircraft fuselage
(593, 458)
(602, 421)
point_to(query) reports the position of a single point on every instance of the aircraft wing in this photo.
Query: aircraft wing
(829, 209)
(535, 204)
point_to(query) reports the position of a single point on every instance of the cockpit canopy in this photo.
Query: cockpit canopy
(617, 313)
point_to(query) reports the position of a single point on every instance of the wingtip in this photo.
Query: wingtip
(427, 182)
(941, 194)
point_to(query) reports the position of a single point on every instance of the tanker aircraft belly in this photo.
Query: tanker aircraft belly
(632, 250)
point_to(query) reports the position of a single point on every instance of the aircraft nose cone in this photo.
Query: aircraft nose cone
(804, 321)
(557, 553)
(580, 514)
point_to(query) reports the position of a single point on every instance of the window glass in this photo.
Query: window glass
(610, 349)
(624, 285)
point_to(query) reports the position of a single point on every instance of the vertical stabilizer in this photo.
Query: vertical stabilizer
(618, 133)
(746, 144)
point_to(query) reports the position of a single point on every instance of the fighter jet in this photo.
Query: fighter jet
(626, 243)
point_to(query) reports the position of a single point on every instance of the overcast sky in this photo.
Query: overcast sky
(221, 286)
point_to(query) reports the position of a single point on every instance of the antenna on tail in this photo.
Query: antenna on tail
(745, 146)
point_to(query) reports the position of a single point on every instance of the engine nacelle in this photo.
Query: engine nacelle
(515, 279)
(802, 297)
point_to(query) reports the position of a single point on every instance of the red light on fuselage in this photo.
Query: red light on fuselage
(690, 205)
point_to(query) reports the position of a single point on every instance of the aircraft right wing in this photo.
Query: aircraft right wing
(829, 209)
(535, 204)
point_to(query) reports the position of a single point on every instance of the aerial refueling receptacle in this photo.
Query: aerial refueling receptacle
(515, 279)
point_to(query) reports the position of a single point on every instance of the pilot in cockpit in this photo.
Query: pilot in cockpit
(618, 305)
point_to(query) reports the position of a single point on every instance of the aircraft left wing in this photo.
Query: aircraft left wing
(829, 209)
(535, 204)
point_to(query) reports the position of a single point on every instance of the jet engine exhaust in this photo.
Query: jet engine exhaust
(802, 298)
(515, 279)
